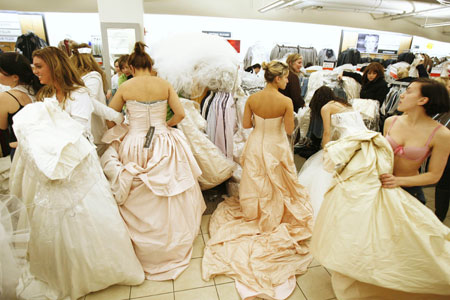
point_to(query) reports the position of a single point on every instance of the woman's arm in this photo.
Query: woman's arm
(353, 75)
(438, 160)
(325, 112)
(116, 103)
(247, 118)
(289, 117)
(176, 106)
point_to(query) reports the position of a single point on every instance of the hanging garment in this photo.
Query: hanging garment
(29, 42)
(156, 188)
(215, 167)
(378, 238)
(326, 54)
(261, 239)
(57, 175)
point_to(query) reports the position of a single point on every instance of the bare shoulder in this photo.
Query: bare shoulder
(5, 98)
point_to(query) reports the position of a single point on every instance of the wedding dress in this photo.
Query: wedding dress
(156, 188)
(379, 243)
(313, 175)
(262, 239)
(78, 240)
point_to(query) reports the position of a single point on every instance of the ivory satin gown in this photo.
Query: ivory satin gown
(262, 239)
(78, 241)
(156, 188)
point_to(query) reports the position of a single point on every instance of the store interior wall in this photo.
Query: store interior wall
(68, 25)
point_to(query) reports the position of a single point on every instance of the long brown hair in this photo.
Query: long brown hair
(62, 71)
(373, 67)
(86, 63)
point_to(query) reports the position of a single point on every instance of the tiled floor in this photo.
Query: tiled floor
(313, 285)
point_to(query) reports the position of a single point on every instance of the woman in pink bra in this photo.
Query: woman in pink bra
(415, 135)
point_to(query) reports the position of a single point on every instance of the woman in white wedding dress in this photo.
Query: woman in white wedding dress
(338, 119)
(78, 241)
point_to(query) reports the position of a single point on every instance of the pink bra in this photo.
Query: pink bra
(411, 153)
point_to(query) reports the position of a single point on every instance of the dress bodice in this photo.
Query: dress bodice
(270, 126)
(142, 115)
(346, 123)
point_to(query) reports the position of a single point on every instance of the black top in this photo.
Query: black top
(12, 136)
(375, 90)
(294, 91)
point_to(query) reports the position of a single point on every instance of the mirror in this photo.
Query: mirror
(117, 39)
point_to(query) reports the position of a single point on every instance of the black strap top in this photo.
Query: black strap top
(12, 136)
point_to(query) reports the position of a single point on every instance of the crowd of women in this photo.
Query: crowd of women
(112, 202)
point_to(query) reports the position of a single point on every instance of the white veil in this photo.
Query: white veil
(194, 61)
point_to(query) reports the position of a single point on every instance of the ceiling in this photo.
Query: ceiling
(407, 17)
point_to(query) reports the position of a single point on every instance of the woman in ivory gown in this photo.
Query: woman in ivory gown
(262, 239)
(154, 174)
(378, 241)
(78, 241)
(333, 117)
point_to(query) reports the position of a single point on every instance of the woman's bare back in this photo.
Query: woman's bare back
(145, 88)
(268, 104)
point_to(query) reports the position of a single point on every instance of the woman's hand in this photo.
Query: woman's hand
(13, 145)
(389, 181)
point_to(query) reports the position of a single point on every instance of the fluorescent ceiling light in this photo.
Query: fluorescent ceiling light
(271, 6)
(436, 24)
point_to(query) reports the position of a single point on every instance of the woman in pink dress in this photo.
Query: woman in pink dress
(153, 172)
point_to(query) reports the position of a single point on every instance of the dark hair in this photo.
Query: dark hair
(139, 59)
(256, 66)
(373, 67)
(322, 96)
(437, 94)
(123, 60)
(12, 63)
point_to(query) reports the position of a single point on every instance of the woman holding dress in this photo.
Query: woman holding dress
(376, 239)
(78, 241)
(415, 135)
(153, 172)
(262, 239)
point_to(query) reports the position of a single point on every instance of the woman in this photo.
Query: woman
(262, 239)
(153, 172)
(95, 80)
(124, 69)
(292, 89)
(415, 135)
(378, 240)
(16, 72)
(57, 174)
(337, 119)
(373, 85)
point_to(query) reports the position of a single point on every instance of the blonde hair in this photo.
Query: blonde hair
(86, 63)
(62, 71)
(402, 72)
(273, 69)
(291, 59)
